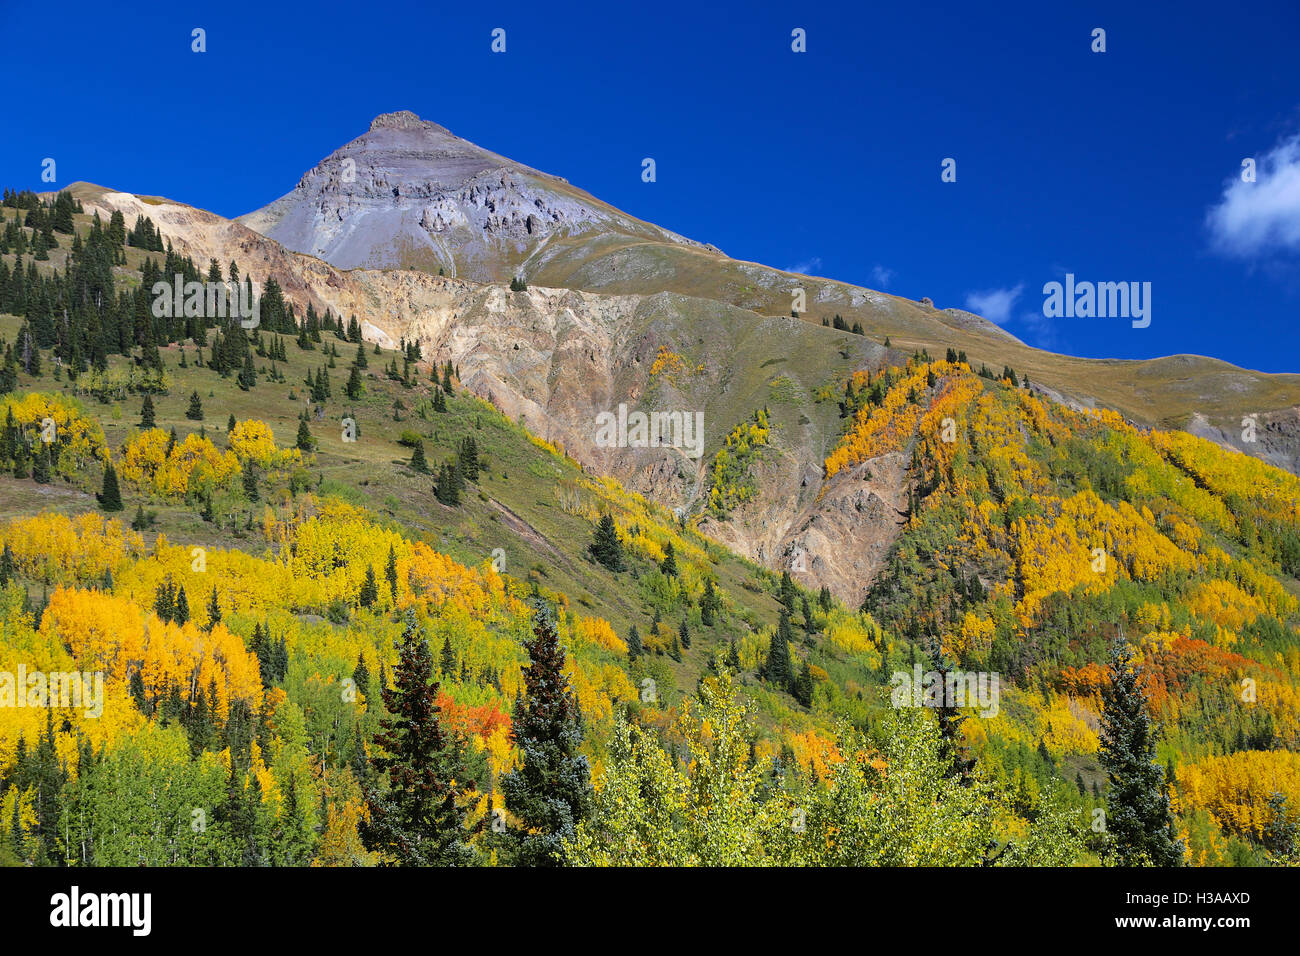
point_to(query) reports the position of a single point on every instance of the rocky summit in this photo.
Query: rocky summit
(409, 193)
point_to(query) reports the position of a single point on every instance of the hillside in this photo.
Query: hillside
(927, 512)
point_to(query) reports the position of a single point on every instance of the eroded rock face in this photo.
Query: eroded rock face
(1276, 436)
(410, 193)
(839, 536)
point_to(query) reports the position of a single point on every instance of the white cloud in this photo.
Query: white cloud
(881, 277)
(807, 267)
(1263, 216)
(994, 304)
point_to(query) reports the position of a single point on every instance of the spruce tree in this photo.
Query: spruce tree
(709, 604)
(467, 457)
(1139, 822)
(41, 464)
(354, 388)
(110, 497)
(305, 440)
(952, 748)
(369, 588)
(446, 488)
(7, 565)
(390, 572)
(361, 675)
(669, 564)
(195, 412)
(634, 646)
(214, 609)
(550, 792)
(803, 685)
(823, 600)
(418, 461)
(788, 593)
(415, 819)
(247, 375)
(182, 612)
(778, 668)
(146, 412)
(606, 548)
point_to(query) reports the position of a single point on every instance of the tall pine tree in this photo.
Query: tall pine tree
(1139, 822)
(416, 820)
(550, 792)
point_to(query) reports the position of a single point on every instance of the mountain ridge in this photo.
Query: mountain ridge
(602, 309)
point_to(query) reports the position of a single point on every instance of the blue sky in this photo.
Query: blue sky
(1115, 166)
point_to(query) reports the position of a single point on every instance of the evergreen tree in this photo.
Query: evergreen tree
(550, 793)
(110, 497)
(669, 564)
(195, 412)
(390, 572)
(146, 412)
(952, 749)
(164, 599)
(1139, 822)
(7, 565)
(415, 820)
(354, 388)
(788, 593)
(467, 458)
(446, 488)
(778, 668)
(214, 609)
(418, 462)
(369, 588)
(41, 464)
(305, 440)
(803, 685)
(606, 548)
(250, 482)
(733, 656)
(709, 604)
(634, 646)
(361, 675)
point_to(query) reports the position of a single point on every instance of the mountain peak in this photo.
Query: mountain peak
(401, 119)
(410, 193)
